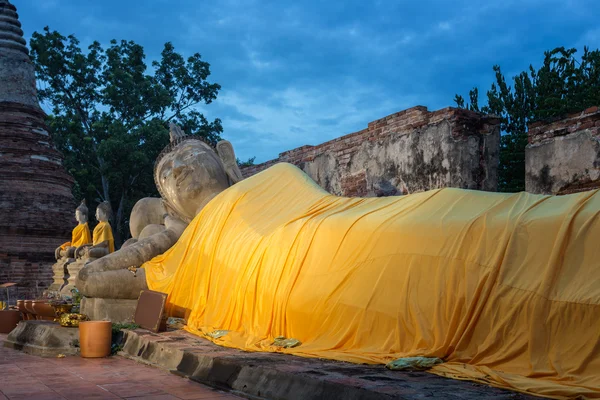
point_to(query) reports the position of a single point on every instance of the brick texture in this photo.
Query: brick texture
(36, 204)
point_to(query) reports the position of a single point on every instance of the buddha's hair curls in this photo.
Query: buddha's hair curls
(82, 208)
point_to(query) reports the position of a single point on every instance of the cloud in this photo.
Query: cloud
(297, 116)
(444, 26)
(48, 4)
(295, 73)
(590, 38)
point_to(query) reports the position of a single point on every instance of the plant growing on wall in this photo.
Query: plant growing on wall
(562, 85)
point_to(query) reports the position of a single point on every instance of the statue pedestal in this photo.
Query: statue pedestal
(43, 338)
(60, 274)
(114, 310)
(73, 269)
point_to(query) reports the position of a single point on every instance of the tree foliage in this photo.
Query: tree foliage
(109, 115)
(246, 163)
(562, 85)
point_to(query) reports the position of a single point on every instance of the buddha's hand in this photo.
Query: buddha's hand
(82, 251)
(175, 224)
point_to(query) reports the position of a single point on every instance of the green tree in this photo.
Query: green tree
(246, 163)
(562, 85)
(109, 115)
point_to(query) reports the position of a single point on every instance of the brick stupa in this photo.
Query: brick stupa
(36, 204)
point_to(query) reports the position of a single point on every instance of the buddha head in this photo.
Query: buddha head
(81, 213)
(103, 211)
(189, 172)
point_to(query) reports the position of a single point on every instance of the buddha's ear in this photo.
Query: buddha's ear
(227, 155)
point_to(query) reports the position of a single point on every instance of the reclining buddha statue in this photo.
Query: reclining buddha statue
(502, 287)
(188, 174)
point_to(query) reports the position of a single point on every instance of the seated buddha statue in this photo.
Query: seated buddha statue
(188, 173)
(80, 235)
(103, 242)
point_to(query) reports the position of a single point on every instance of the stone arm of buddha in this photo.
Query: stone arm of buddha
(188, 174)
(80, 236)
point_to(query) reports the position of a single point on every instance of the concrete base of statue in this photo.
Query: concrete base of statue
(73, 269)
(43, 338)
(60, 274)
(114, 310)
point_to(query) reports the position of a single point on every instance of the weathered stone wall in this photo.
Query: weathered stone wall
(563, 156)
(409, 151)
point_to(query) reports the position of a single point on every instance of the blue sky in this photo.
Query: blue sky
(304, 72)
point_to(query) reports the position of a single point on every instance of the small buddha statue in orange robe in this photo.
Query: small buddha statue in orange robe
(103, 242)
(80, 235)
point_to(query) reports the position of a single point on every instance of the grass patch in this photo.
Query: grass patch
(117, 336)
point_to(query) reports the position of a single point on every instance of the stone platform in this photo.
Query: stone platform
(43, 338)
(114, 310)
(285, 377)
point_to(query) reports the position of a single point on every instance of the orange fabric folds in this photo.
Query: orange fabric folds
(503, 287)
(103, 233)
(80, 236)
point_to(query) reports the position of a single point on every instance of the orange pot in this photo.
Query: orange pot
(43, 310)
(95, 338)
(9, 320)
(29, 308)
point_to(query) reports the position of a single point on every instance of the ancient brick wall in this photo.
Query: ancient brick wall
(563, 156)
(409, 151)
(36, 204)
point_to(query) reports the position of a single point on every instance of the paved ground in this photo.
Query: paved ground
(28, 377)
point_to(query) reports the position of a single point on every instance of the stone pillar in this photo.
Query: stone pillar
(36, 204)
(563, 156)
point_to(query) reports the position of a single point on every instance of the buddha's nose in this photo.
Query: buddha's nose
(178, 167)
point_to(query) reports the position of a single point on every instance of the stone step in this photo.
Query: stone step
(43, 338)
(286, 377)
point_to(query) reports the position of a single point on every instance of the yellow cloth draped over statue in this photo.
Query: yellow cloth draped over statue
(103, 232)
(80, 236)
(503, 287)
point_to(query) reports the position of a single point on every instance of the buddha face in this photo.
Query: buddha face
(101, 215)
(80, 217)
(190, 176)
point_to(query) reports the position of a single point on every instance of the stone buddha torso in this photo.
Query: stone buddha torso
(103, 233)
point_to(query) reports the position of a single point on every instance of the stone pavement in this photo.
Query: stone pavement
(23, 376)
